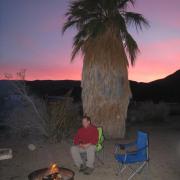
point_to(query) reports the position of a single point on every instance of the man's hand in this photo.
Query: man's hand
(81, 146)
(84, 146)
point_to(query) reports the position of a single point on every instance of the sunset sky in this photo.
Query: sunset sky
(30, 38)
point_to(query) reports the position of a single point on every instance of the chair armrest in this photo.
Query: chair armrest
(125, 144)
(119, 147)
(136, 151)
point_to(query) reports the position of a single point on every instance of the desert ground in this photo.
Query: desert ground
(164, 155)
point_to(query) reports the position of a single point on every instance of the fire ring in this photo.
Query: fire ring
(58, 173)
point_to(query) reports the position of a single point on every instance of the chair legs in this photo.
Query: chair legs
(123, 168)
(137, 170)
(134, 171)
(100, 157)
(120, 169)
(99, 160)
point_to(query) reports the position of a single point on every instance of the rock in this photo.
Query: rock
(5, 153)
(31, 147)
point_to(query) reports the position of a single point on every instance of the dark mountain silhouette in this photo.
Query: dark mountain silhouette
(166, 89)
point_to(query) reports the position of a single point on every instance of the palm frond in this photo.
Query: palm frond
(93, 17)
(83, 8)
(68, 24)
(76, 49)
(123, 4)
(78, 42)
(90, 29)
(119, 22)
(130, 46)
(136, 19)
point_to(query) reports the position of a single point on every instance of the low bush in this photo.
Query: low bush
(148, 112)
(52, 120)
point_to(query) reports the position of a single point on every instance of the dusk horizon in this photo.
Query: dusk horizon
(4, 78)
(31, 39)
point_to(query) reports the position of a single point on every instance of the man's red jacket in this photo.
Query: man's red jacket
(86, 135)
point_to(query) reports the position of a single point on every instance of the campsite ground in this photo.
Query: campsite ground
(164, 155)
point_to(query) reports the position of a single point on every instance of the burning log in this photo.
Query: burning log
(52, 173)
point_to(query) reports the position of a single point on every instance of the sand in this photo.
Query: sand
(164, 156)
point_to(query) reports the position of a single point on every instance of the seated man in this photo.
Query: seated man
(85, 141)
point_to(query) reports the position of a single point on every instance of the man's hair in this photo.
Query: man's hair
(87, 117)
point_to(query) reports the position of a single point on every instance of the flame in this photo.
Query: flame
(54, 168)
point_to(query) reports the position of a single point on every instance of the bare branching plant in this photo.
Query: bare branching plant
(21, 88)
(53, 119)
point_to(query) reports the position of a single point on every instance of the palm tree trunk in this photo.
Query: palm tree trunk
(105, 85)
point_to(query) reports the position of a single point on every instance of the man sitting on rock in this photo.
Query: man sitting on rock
(85, 141)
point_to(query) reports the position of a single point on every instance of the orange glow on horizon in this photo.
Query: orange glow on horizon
(135, 73)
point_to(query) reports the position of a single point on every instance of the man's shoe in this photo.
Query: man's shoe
(82, 167)
(88, 171)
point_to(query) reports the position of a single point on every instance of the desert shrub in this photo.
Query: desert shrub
(148, 112)
(32, 116)
(63, 119)
(174, 109)
(52, 120)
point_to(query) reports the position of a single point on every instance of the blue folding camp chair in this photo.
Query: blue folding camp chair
(139, 157)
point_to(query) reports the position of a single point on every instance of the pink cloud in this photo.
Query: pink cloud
(156, 60)
(55, 67)
(167, 50)
(147, 70)
(44, 73)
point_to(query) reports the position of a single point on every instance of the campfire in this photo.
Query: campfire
(54, 172)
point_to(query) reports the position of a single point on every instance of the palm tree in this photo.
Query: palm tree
(104, 41)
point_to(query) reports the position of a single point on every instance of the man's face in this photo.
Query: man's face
(85, 123)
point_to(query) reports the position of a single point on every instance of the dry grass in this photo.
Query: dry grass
(63, 119)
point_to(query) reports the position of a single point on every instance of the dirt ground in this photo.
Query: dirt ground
(164, 157)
